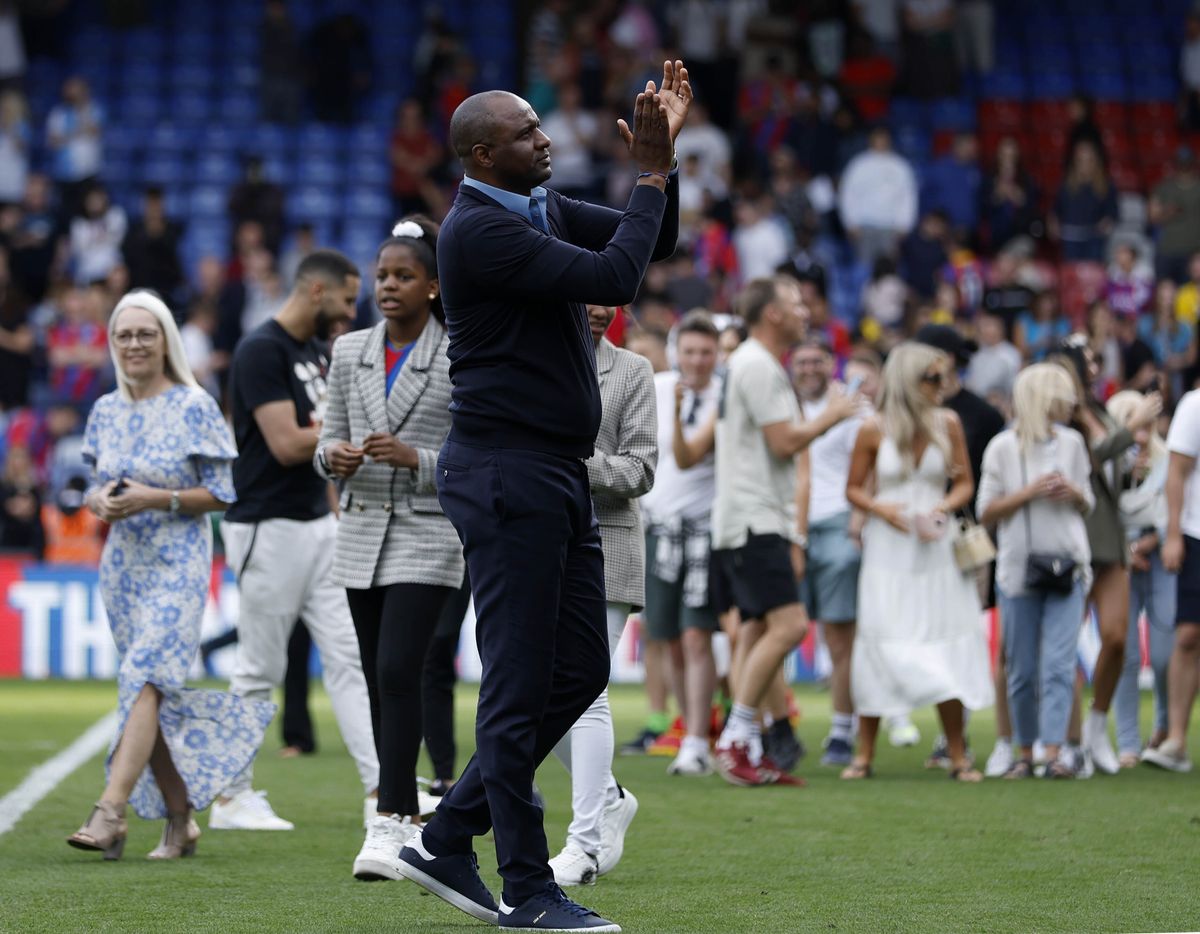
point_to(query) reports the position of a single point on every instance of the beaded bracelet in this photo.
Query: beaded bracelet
(662, 175)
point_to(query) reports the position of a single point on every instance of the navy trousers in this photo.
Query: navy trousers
(533, 554)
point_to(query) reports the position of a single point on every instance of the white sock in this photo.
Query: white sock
(842, 726)
(754, 751)
(740, 726)
(1098, 719)
(693, 745)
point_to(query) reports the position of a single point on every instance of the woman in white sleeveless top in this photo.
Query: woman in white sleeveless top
(919, 639)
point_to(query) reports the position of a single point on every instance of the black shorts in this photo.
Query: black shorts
(1187, 608)
(756, 578)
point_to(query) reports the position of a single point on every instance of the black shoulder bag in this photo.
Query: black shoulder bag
(1045, 573)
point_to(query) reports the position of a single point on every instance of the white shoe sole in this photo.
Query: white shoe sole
(447, 894)
(221, 825)
(375, 870)
(588, 878)
(1171, 764)
(603, 929)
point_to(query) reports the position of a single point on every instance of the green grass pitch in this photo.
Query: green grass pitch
(905, 851)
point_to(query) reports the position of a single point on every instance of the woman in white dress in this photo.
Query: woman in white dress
(919, 641)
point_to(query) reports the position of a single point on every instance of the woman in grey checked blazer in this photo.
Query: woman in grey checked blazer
(397, 555)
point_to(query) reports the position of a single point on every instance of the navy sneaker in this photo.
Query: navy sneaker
(782, 745)
(639, 744)
(454, 879)
(551, 910)
(838, 752)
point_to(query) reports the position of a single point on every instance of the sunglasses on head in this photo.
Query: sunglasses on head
(933, 379)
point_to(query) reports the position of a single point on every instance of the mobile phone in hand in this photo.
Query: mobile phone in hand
(120, 488)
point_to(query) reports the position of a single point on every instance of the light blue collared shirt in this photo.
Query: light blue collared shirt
(518, 204)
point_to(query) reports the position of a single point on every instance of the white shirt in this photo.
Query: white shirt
(879, 189)
(570, 153)
(829, 463)
(1184, 438)
(708, 142)
(761, 248)
(993, 369)
(686, 494)
(96, 244)
(756, 490)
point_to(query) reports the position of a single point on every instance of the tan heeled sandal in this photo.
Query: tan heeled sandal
(179, 837)
(105, 830)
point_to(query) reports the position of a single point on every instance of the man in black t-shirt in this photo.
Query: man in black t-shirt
(279, 536)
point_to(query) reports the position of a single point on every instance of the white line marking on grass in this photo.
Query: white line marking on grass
(46, 777)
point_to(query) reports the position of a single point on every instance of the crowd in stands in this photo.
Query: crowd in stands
(799, 154)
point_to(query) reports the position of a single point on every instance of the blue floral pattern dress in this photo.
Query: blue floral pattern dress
(154, 579)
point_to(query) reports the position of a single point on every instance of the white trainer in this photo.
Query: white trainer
(1001, 759)
(613, 823)
(1097, 744)
(370, 809)
(247, 810)
(574, 866)
(691, 762)
(902, 732)
(427, 803)
(1168, 755)
(379, 857)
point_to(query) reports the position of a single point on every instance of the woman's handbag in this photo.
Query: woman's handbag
(1045, 573)
(973, 547)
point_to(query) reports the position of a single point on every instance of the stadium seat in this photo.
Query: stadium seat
(320, 138)
(221, 138)
(1009, 84)
(238, 109)
(1051, 84)
(366, 203)
(1111, 115)
(208, 201)
(1149, 116)
(190, 107)
(168, 171)
(319, 171)
(217, 168)
(317, 205)
(1001, 114)
(952, 113)
(138, 108)
(279, 169)
(170, 137)
(370, 170)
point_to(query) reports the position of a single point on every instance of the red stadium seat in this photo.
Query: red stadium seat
(1001, 115)
(1111, 115)
(1079, 285)
(1150, 116)
(1049, 115)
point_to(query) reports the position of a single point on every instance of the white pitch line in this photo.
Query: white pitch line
(46, 777)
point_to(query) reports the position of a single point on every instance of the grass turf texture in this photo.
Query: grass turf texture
(905, 851)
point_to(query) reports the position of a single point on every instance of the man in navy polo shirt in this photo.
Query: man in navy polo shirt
(518, 263)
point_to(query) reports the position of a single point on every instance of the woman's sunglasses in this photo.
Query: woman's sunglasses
(933, 379)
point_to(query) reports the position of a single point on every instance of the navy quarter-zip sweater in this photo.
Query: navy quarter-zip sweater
(522, 360)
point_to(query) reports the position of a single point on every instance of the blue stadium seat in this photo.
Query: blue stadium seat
(272, 139)
(316, 170)
(369, 138)
(370, 170)
(168, 171)
(360, 241)
(217, 168)
(141, 76)
(218, 137)
(138, 108)
(913, 143)
(1051, 84)
(208, 201)
(317, 138)
(318, 205)
(1104, 85)
(191, 78)
(171, 137)
(120, 172)
(1154, 87)
(905, 111)
(952, 113)
(1005, 84)
(279, 170)
(190, 107)
(367, 203)
(238, 109)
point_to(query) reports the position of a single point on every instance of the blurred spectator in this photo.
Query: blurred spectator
(255, 198)
(20, 504)
(867, 77)
(760, 239)
(821, 322)
(1187, 301)
(248, 303)
(697, 190)
(77, 348)
(1086, 207)
(634, 29)
(930, 61)
(339, 67)
(15, 140)
(765, 103)
(573, 136)
(811, 137)
(878, 198)
(436, 52)
(1173, 341)
(650, 344)
(1130, 287)
(33, 243)
(17, 341)
(995, 365)
(881, 20)
(303, 243)
(702, 31)
(790, 193)
(709, 143)
(826, 29)
(1082, 128)
(73, 535)
(197, 335)
(281, 79)
(1007, 296)
(12, 46)
(976, 35)
(1189, 71)
(1102, 339)
(543, 43)
(95, 237)
(964, 270)
(455, 86)
(885, 296)
(151, 249)
(1009, 198)
(415, 153)
(923, 254)
(952, 184)
(1139, 368)
(1175, 209)
(74, 134)
(1041, 329)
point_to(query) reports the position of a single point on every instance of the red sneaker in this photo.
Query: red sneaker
(733, 762)
(773, 775)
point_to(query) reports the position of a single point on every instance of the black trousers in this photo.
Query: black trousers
(437, 684)
(394, 626)
(533, 551)
(296, 722)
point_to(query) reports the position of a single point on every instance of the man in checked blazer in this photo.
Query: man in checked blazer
(620, 470)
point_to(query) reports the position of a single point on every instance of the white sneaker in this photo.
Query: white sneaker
(1168, 755)
(370, 809)
(1001, 759)
(691, 762)
(902, 732)
(1097, 745)
(427, 803)
(379, 857)
(1082, 762)
(613, 823)
(247, 810)
(573, 866)
(1039, 752)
